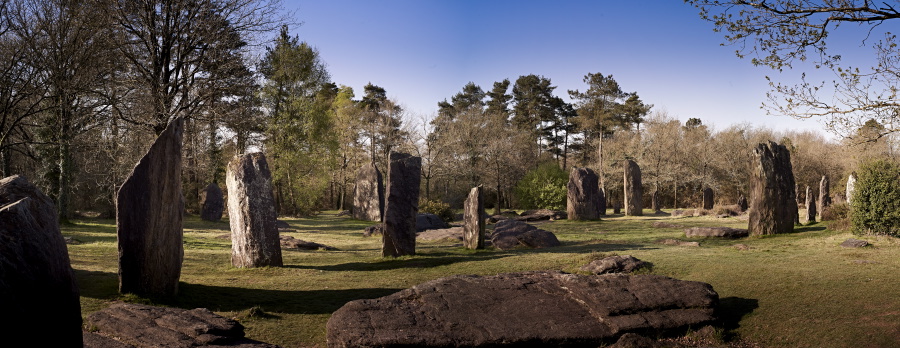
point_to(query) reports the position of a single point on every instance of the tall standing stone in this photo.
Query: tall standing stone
(851, 187)
(251, 213)
(810, 205)
(773, 201)
(212, 203)
(149, 211)
(38, 292)
(742, 203)
(368, 198)
(708, 198)
(797, 203)
(401, 205)
(601, 204)
(654, 201)
(583, 195)
(633, 189)
(473, 219)
(824, 194)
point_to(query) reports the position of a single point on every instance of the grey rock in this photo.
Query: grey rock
(676, 242)
(373, 230)
(824, 194)
(541, 214)
(251, 213)
(854, 243)
(510, 234)
(663, 224)
(583, 195)
(810, 205)
(473, 216)
(615, 264)
(368, 197)
(452, 233)
(426, 221)
(212, 203)
(720, 232)
(633, 190)
(401, 205)
(773, 200)
(289, 242)
(708, 198)
(654, 202)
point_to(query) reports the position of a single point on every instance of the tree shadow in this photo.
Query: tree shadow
(730, 312)
(99, 285)
(421, 260)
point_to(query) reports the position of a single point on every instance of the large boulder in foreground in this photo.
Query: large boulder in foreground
(542, 308)
(148, 326)
(510, 234)
(251, 213)
(37, 285)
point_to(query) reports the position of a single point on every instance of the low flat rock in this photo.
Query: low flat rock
(854, 243)
(676, 242)
(148, 326)
(509, 234)
(615, 264)
(452, 233)
(541, 214)
(540, 308)
(664, 224)
(720, 232)
(288, 242)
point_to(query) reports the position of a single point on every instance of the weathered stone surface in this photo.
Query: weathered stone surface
(148, 326)
(368, 197)
(452, 233)
(373, 230)
(708, 198)
(289, 242)
(542, 308)
(633, 189)
(509, 234)
(742, 203)
(426, 221)
(149, 211)
(654, 202)
(854, 243)
(583, 195)
(615, 264)
(473, 219)
(401, 205)
(541, 214)
(824, 194)
(722, 232)
(251, 212)
(676, 242)
(772, 197)
(851, 187)
(810, 205)
(37, 285)
(212, 203)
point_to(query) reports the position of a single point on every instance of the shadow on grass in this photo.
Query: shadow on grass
(99, 285)
(432, 259)
(731, 310)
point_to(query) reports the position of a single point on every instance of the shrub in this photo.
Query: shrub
(876, 200)
(438, 208)
(543, 188)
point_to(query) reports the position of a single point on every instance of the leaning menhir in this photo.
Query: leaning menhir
(37, 283)
(583, 195)
(773, 201)
(212, 203)
(251, 212)
(368, 197)
(473, 219)
(633, 189)
(401, 205)
(149, 210)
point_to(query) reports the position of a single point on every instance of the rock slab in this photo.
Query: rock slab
(541, 215)
(289, 242)
(510, 234)
(149, 211)
(633, 189)
(401, 205)
(473, 219)
(368, 197)
(212, 203)
(37, 283)
(615, 264)
(583, 195)
(854, 243)
(720, 232)
(773, 199)
(251, 213)
(541, 308)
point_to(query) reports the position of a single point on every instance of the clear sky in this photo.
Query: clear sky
(425, 51)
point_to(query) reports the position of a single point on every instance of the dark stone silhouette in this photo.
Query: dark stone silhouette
(708, 198)
(368, 197)
(473, 219)
(601, 202)
(810, 205)
(212, 203)
(510, 234)
(742, 203)
(824, 194)
(38, 292)
(289, 242)
(149, 211)
(583, 195)
(721, 232)
(528, 309)
(773, 201)
(633, 189)
(654, 202)
(251, 213)
(401, 205)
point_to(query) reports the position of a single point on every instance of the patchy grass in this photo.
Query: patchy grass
(793, 290)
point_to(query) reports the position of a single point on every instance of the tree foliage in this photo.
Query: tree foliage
(875, 207)
(543, 188)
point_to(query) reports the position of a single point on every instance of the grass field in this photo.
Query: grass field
(793, 290)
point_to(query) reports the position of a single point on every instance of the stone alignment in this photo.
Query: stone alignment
(251, 213)
(401, 205)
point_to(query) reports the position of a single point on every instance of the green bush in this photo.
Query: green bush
(543, 188)
(876, 199)
(438, 208)
(839, 216)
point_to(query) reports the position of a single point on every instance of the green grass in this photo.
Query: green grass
(794, 290)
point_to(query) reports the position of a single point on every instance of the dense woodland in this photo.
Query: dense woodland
(82, 97)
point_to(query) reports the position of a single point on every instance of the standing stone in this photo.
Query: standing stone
(742, 203)
(473, 219)
(39, 295)
(773, 201)
(633, 189)
(212, 203)
(824, 194)
(797, 203)
(601, 201)
(654, 201)
(149, 211)
(617, 208)
(368, 198)
(810, 205)
(401, 205)
(251, 212)
(583, 195)
(851, 187)
(708, 198)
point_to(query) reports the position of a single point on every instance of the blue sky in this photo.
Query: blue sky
(424, 51)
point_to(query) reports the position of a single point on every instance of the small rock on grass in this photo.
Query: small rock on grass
(854, 243)
(676, 242)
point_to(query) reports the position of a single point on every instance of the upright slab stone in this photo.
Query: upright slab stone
(401, 205)
(773, 201)
(368, 198)
(797, 203)
(583, 195)
(149, 211)
(742, 203)
(824, 194)
(851, 187)
(251, 212)
(810, 205)
(708, 198)
(633, 189)
(473, 219)
(654, 202)
(38, 292)
(601, 204)
(212, 203)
